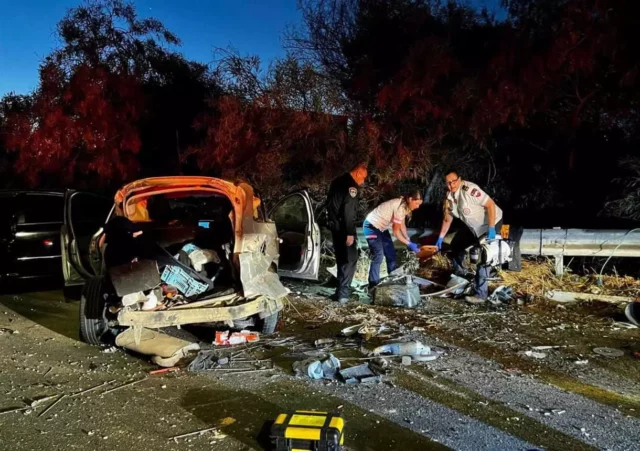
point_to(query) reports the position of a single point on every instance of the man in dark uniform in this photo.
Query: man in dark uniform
(342, 203)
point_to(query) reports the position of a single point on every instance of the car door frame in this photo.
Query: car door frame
(310, 267)
(73, 269)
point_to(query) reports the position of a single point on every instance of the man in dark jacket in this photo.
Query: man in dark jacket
(342, 203)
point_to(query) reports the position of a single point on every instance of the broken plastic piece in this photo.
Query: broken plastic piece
(151, 301)
(406, 348)
(133, 298)
(632, 312)
(236, 338)
(178, 277)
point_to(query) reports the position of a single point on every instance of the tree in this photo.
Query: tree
(112, 83)
(81, 129)
(279, 129)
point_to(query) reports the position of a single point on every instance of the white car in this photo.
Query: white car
(142, 276)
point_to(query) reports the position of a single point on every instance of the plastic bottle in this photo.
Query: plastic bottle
(408, 348)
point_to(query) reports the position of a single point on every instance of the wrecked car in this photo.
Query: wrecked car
(184, 250)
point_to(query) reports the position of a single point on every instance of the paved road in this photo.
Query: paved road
(463, 401)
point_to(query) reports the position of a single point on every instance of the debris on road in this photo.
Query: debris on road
(317, 369)
(535, 355)
(172, 369)
(359, 374)
(632, 312)
(403, 293)
(567, 296)
(31, 407)
(501, 295)
(608, 352)
(52, 405)
(127, 384)
(165, 349)
(191, 434)
(96, 387)
(323, 342)
(235, 338)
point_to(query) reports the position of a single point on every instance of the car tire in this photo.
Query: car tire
(93, 325)
(270, 323)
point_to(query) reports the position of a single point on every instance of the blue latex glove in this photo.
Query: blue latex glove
(413, 247)
(491, 234)
(439, 242)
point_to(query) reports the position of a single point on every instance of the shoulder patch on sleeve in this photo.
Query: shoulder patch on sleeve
(476, 193)
(353, 192)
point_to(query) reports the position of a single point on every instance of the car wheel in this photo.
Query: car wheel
(270, 323)
(93, 325)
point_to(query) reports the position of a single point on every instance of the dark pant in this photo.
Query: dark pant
(346, 259)
(463, 238)
(381, 246)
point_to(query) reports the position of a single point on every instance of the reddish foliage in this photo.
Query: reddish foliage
(272, 147)
(80, 128)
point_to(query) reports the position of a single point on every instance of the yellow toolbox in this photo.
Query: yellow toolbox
(307, 430)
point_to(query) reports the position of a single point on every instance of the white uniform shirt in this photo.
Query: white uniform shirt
(468, 204)
(387, 213)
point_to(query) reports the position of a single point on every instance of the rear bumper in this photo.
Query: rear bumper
(261, 306)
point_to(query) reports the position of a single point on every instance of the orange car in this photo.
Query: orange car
(184, 250)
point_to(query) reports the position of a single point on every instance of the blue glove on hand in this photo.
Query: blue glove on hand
(439, 243)
(491, 234)
(413, 247)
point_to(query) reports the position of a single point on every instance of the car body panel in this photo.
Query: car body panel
(29, 234)
(299, 236)
(84, 216)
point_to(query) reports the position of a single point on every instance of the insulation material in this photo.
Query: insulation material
(167, 349)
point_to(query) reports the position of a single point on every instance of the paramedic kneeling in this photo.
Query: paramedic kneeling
(389, 215)
(481, 216)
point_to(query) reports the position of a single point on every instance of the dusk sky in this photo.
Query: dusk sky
(27, 30)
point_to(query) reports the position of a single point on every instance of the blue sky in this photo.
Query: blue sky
(27, 30)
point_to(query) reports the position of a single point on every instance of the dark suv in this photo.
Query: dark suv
(30, 227)
(30, 234)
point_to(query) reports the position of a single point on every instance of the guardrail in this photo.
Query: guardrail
(559, 243)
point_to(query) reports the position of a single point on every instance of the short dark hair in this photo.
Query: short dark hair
(452, 171)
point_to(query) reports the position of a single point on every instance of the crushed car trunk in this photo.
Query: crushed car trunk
(186, 249)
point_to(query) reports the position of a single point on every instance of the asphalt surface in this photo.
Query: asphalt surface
(460, 401)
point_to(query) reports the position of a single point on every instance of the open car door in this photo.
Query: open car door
(84, 217)
(299, 236)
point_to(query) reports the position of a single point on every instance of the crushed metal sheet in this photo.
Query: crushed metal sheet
(257, 278)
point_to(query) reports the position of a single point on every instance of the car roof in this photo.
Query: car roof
(16, 192)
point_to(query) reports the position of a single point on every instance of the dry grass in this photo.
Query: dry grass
(537, 277)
